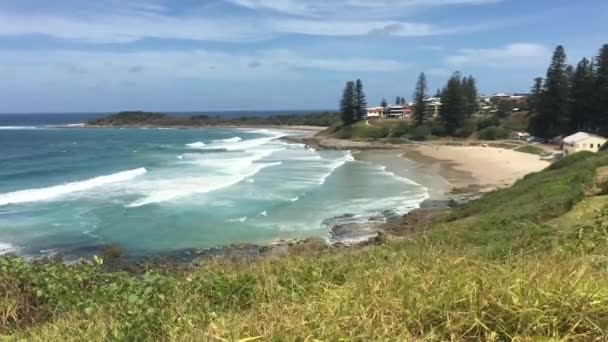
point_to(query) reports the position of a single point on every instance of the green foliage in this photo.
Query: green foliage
(420, 133)
(493, 133)
(531, 149)
(553, 108)
(420, 97)
(487, 121)
(348, 103)
(466, 130)
(454, 107)
(505, 109)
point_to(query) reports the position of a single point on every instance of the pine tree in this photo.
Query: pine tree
(470, 92)
(419, 99)
(600, 113)
(348, 104)
(438, 93)
(398, 100)
(582, 97)
(360, 101)
(537, 92)
(403, 101)
(453, 110)
(551, 118)
(384, 103)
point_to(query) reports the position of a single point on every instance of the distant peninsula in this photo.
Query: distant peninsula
(152, 119)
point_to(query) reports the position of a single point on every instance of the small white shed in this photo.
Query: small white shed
(582, 141)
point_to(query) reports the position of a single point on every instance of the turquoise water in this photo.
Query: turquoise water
(162, 190)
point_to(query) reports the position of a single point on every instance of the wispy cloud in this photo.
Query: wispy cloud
(86, 66)
(112, 21)
(517, 55)
(351, 8)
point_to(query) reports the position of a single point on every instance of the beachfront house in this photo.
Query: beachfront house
(582, 141)
(375, 112)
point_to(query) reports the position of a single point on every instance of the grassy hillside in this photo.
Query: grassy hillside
(526, 263)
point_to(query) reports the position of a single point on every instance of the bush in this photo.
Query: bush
(438, 129)
(487, 121)
(401, 129)
(420, 133)
(493, 133)
(466, 130)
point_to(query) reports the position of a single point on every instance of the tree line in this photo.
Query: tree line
(571, 99)
(458, 98)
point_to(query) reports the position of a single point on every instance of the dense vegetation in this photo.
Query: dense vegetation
(571, 99)
(158, 119)
(525, 263)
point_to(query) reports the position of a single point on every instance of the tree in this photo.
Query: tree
(398, 100)
(582, 96)
(551, 119)
(505, 108)
(438, 93)
(420, 97)
(360, 101)
(537, 93)
(453, 110)
(384, 103)
(600, 113)
(348, 104)
(403, 101)
(470, 92)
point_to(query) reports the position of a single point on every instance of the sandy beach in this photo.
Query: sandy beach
(486, 167)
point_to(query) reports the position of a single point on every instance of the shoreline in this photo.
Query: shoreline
(449, 180)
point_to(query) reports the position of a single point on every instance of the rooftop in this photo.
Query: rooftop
(580, 136)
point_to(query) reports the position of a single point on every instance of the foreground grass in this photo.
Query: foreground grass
(526, 263)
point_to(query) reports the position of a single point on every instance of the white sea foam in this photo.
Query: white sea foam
(159, 191)
(197, 144)
(6, 248)
(17, 127)
(240, 219)
(53, 192)
(264, 213)
(230, 140)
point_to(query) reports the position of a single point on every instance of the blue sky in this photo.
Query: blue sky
(184, 55)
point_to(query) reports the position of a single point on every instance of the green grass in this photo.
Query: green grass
(531, 149)
(528, 263)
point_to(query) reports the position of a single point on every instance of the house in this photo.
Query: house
(375, 112)
(582, 141)
(433, 106)
(396, 112)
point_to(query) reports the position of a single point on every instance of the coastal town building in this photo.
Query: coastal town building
(375, 112)
(582, 141)
(433, 106)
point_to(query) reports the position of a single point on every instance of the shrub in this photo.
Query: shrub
(466, 130)
(401, 129)
(487, 121)
(420, 133)
(438, 129)
(493, 133)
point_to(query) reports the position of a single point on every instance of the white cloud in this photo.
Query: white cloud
(517, 55)
(84, 67)
(351, 8)
(113, 21)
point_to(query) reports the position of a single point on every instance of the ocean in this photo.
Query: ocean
(157, 191)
